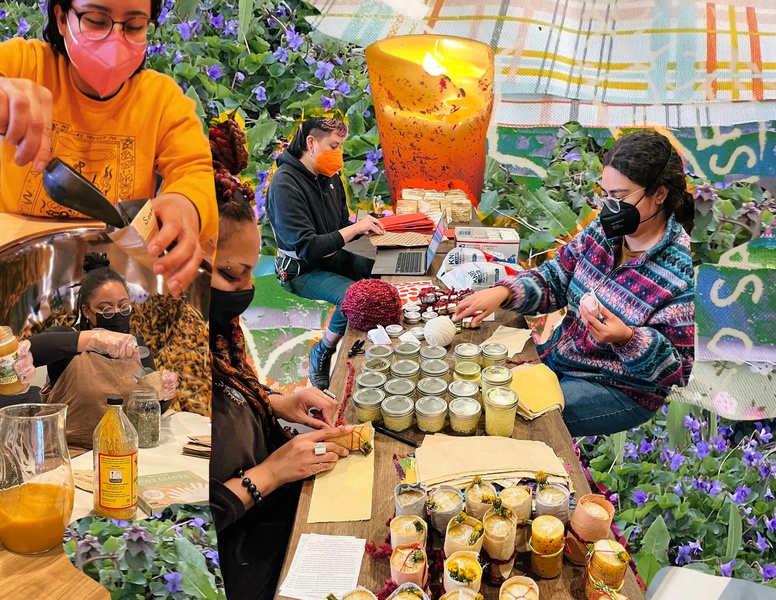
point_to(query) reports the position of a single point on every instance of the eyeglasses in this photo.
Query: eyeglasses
(97, 26)
(109, 311)
(612, 203)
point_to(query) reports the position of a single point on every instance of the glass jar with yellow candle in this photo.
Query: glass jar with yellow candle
(406, 351)
(435, 368)
(495, 376)
(397, 412)
(379, 365)
(379, 351)
(400, 387)
(405, 369)
(464, 415)
(463, 389)
(500, 409)
(431, 412)
(370, 380)
(367, 404)
(467, 352)
(494, 354)
(468, 371)
(433, 353)
(432, 386)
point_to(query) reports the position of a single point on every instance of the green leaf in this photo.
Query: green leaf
(245, 12)
(702, 567)
(666, 501)
(197, 581)
(678, 436)
(617, 441)
(735, 535)
(648, 568)
(260, 135)
(185, 9)
(655, 542)
(192, 93)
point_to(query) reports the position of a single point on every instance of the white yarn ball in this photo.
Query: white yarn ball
(439, 331)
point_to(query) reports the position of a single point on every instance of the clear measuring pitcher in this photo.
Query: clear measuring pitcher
(36, 480)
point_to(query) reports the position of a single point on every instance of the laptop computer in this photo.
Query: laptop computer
(409, 261)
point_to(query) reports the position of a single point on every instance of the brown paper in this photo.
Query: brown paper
(134, 238)
(590, 527)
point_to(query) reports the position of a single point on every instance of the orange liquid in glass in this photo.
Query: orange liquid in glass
(33, 516)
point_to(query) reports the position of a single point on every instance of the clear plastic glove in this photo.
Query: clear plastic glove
(115, 345)
(170, 382)
(23, 365)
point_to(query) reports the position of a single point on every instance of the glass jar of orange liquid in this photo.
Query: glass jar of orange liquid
(9, 381)
(36, 481)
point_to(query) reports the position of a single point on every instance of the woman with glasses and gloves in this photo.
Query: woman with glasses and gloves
(83, 96)
(256, 465)
(308, 210)
(96, 358)
(626, 283)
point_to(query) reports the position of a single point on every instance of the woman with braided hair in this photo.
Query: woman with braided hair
(256, 465)
(619, 351)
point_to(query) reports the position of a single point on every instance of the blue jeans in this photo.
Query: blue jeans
(331, 281)
(595, 408)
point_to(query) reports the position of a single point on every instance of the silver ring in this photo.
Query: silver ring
(320, 449)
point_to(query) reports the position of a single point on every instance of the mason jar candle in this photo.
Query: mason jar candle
(379, 365)
(468, 371)
(463, 389)
(546, 544)
(405, 369)
(464, 415)
(435, 368)
(431, 412)
(397, 412)
(370, 380)
(406, 351)
(494, 354)
(432, 386)
(400, 387)
(433, 353)
(367, 404)
(379, 351)
(500, 409)
(467, 352)
(495, 376)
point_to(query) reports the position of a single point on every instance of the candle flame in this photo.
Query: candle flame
(432, 66)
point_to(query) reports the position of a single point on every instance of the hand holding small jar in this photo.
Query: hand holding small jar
(23, 367)
(170, 382)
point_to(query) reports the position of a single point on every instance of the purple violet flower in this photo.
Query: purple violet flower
(768, 572)
(727, 568)
(702, 449)
(327, 102)
(302, 86)
(741, 494)
(324, 69)
(260, 92)
(185, 30)
(24, 27)
(217, 21)
(762, 543)
(214, 72)
(173, 582)
(640, 498)
(281, 54)
(715, 489)
(294, 39)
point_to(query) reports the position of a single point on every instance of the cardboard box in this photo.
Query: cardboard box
(504, 240)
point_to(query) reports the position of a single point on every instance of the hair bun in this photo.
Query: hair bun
(95, 260)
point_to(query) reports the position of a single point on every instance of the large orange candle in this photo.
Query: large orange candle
(433, 98)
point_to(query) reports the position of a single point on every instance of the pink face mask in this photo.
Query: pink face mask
(104, 64)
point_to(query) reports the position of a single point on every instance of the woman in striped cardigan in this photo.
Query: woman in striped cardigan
(616, 367)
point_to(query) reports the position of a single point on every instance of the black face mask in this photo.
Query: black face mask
(227, 306)
(624, 222)
(118, 323)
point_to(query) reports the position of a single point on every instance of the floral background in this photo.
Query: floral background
(713, 509)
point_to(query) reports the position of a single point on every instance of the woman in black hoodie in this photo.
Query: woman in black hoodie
(309, 215)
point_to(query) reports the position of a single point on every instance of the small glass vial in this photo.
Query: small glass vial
(432, 353)
(145, 413)
(378, 365)
(500, 408)
(495, 376)
(431, 412)
(464, 415)
(435, 368)
(406, 351)
(397, 412)
(370, 380)
(432, 386)
(380, 351)
(367, 404)
(400, 387)
(467, 371)
(467, 352)
(405, 369)
(494, 354)
(463, 389)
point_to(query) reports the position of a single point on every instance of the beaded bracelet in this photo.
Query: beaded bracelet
(246, 483)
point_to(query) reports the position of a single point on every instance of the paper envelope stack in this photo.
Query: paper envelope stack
(455, 460)
(455, 202)
(538, 390)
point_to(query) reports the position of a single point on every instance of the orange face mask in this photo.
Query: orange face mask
(329, 162)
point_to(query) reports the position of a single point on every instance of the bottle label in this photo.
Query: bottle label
(118, 480)
(7, 374)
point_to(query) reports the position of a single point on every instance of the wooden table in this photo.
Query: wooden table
(548, 428)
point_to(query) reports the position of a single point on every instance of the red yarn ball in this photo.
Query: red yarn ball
(371, 302)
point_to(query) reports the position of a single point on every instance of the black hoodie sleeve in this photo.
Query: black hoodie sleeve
(292, 220)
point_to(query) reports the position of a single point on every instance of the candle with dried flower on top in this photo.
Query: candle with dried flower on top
(409, 565)
(462, 570)
(463, 533)
(519, 498)
(480, 496)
